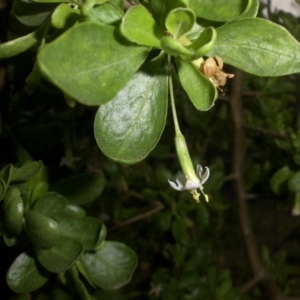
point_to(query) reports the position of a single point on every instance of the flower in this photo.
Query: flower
(192, 183)
(184, 183)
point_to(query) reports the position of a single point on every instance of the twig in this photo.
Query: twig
(267, 131)
(142, 216)
(259, 270)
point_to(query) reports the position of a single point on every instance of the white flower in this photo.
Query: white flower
(188, 184)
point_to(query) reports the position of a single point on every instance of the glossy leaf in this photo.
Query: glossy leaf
(82, 189)
(13, 209)
(90, 232)
(64, 16)
(19, 45)
(50, 205)
(258, 46)
(279, 178)
(43, 232)
(95, 77)
(106, 13)
(124, 128)
(111, 267)
(180, 21)
(27, 171)
(26, 275)
(294, 183)
(199, 88)
(60, 257)
(219, 10)
(71, 211)
(32, 14)
(139, 27)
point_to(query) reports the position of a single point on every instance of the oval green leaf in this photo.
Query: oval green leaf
(88, 231)
(27, 171)
(26, 275)
(124, 128)
(17, 46)
(294, 183)
(279, 178)
(13, 209)
(43, 232)
(139, 27)
(219, 10)
(71, 211)
(175, 48)
(99, 65)
(105, 13)
(180, 21)
(60, 257)
(258, 46)
(32, 14)
(64, 16)
(50, 205)
(199, 88)
(204, 42)
(111, 267)
(82, 189)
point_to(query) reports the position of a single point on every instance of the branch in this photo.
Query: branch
(142, 216)
(267, 131)
(260, 272)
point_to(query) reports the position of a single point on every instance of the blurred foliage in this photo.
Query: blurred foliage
(185, 250)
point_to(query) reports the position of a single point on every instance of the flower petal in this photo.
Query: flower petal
(205, 175)
(191, 185)
(199, 171)
(176, 187)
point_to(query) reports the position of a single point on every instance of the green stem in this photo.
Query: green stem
(176, 124)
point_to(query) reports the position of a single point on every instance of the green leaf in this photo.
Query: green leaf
(124, 128)
(180, 21)
(82, 189)
(26, 275)
(279, 178)
(5, 174)
(175, 48)
(71, 211)
(251, 9)
(64, 16)
(13, 209)
(219, 10)
(43, 232)
(199, 88)
(90, 232)
(91, 76)
(204, 42)
(258, 46)
(60, 257)
(139, 27)
(79, 286)
(106, 13)
(294, 183)
(27, 171)
(111, 267)
(50, 205)
(19, 45)
(161, 8)
(32, 14)
(2, 189)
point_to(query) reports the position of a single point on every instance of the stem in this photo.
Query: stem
(176, 124)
